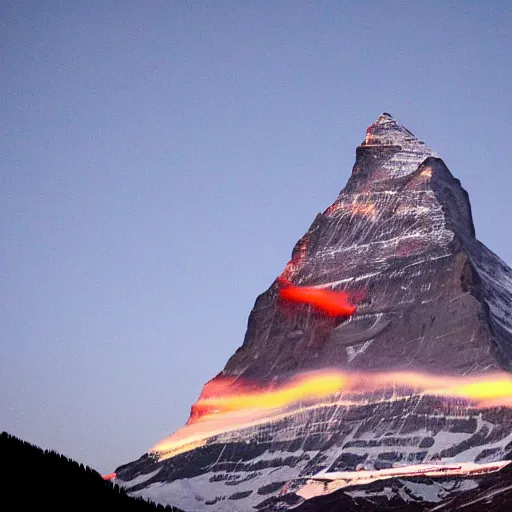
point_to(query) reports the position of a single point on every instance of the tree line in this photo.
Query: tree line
(36, 479)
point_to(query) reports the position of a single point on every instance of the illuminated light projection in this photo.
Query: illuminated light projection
(364, 209)
(297, 261)
(219, 386)
(369, 138)
(110, 476)
(330, 302)
(304, 387)
(249, 405)
(356, 208)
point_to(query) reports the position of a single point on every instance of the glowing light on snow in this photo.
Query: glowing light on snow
(427, 173)
(226, 407)
(332, 303)
(110, 476)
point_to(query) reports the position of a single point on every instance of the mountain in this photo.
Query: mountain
(401, 232)
(35, 480)
(385, 344)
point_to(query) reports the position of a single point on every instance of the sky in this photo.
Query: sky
(160, 159)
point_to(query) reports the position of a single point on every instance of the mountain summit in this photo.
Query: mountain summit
(382, 346)
(400, 239)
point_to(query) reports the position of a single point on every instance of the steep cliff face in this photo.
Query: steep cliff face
(400, 241)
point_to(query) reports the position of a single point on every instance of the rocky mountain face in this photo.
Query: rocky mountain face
(400, 241)
(401, 235)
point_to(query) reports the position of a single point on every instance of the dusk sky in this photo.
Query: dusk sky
(160, 159)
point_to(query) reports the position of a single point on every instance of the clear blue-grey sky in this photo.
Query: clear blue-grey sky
(159, 160)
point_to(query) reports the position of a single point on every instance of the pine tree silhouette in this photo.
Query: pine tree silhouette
(37, 479)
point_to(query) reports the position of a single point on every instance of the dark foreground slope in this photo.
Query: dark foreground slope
(34, 479)
(400, 240)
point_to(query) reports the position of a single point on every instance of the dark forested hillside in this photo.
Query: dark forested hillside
(36, 479)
